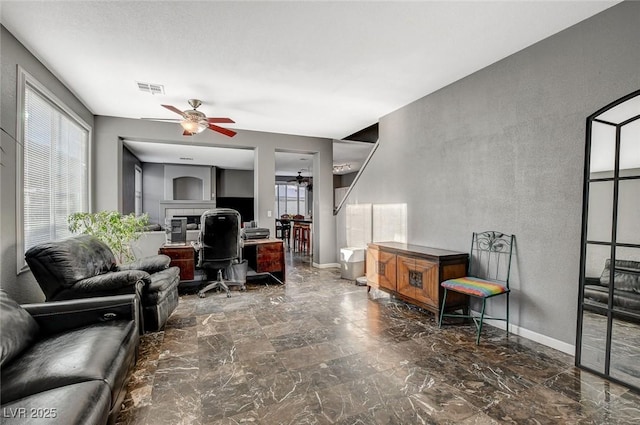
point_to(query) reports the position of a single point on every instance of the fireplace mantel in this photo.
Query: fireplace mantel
(170, 208)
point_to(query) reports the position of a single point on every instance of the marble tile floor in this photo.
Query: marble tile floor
(320, 350)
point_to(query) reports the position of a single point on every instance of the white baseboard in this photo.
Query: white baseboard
(534, 336)
(326, 265)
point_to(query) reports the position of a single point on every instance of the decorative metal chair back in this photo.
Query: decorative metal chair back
(490, 257)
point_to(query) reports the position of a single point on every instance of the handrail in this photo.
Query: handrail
(336, 210)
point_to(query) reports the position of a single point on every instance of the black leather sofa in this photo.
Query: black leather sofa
(83, 266)
(626, 289)
(67, 362)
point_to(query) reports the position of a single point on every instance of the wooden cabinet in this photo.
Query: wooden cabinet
(414, 273)
(182, 256)
(266, 256)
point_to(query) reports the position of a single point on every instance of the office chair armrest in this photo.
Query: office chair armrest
(152, 264)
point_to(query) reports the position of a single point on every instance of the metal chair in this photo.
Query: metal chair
(220, 246)
(488, 276)
(283, 229)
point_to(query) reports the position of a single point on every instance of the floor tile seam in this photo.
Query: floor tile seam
(566, 371)
(523, 395)
(474, 409)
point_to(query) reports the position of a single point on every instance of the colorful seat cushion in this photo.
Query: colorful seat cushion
(475, 287)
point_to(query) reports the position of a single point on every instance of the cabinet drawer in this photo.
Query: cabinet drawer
(273, 265)
(268, 256)
(275, 249)
(181, 254)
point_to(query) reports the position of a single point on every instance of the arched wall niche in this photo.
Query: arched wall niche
(187, 188)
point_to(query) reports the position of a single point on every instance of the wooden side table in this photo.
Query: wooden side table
(182, 256)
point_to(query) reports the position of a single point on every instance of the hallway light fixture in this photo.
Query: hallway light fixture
(338, 168)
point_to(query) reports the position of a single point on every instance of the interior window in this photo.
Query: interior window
(290, 199)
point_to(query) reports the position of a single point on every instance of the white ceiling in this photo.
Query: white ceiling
(325, 69)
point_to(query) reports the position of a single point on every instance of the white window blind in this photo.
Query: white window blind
(55, 181)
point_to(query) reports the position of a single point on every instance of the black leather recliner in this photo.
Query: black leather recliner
(83, 266)
(67, 362)
(626, 288)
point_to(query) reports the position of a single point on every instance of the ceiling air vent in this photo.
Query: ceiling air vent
(150, 88)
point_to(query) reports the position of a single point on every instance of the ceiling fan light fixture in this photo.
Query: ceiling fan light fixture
(193, 126)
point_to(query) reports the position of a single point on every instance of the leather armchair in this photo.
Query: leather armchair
(626, 287)
(83, 266)
(67, 362)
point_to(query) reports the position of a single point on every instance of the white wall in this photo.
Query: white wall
(503, 149)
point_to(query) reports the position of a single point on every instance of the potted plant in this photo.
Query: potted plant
(111, 227)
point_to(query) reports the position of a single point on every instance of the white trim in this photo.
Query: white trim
(326, 265)
(24, 79)
(534, 336)
(20, 88)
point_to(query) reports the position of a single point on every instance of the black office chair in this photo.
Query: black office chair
(220, 247)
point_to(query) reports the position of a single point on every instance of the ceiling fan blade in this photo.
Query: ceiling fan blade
(224, 131)
(187, 133)
(174, 109)
(221, 120)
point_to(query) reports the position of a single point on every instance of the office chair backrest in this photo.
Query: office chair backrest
(491, 256)
(220, 235)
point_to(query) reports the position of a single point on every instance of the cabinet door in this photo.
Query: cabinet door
(426, 282)
(269, 258)
(371, 272)
(418, 279)
(381, 269)
(406, 276)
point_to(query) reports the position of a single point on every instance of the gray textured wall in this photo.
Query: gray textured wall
(234, 183)
(23, 286)
(503, 149)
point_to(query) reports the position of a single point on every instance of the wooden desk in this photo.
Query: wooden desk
(262, 255)
(265, 256)
(182, 256)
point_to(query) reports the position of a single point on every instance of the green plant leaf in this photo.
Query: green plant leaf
(116, 230)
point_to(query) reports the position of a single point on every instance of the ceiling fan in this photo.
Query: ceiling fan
(194, 121)
(301, 180)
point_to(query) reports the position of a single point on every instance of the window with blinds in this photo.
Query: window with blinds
(55, 174)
